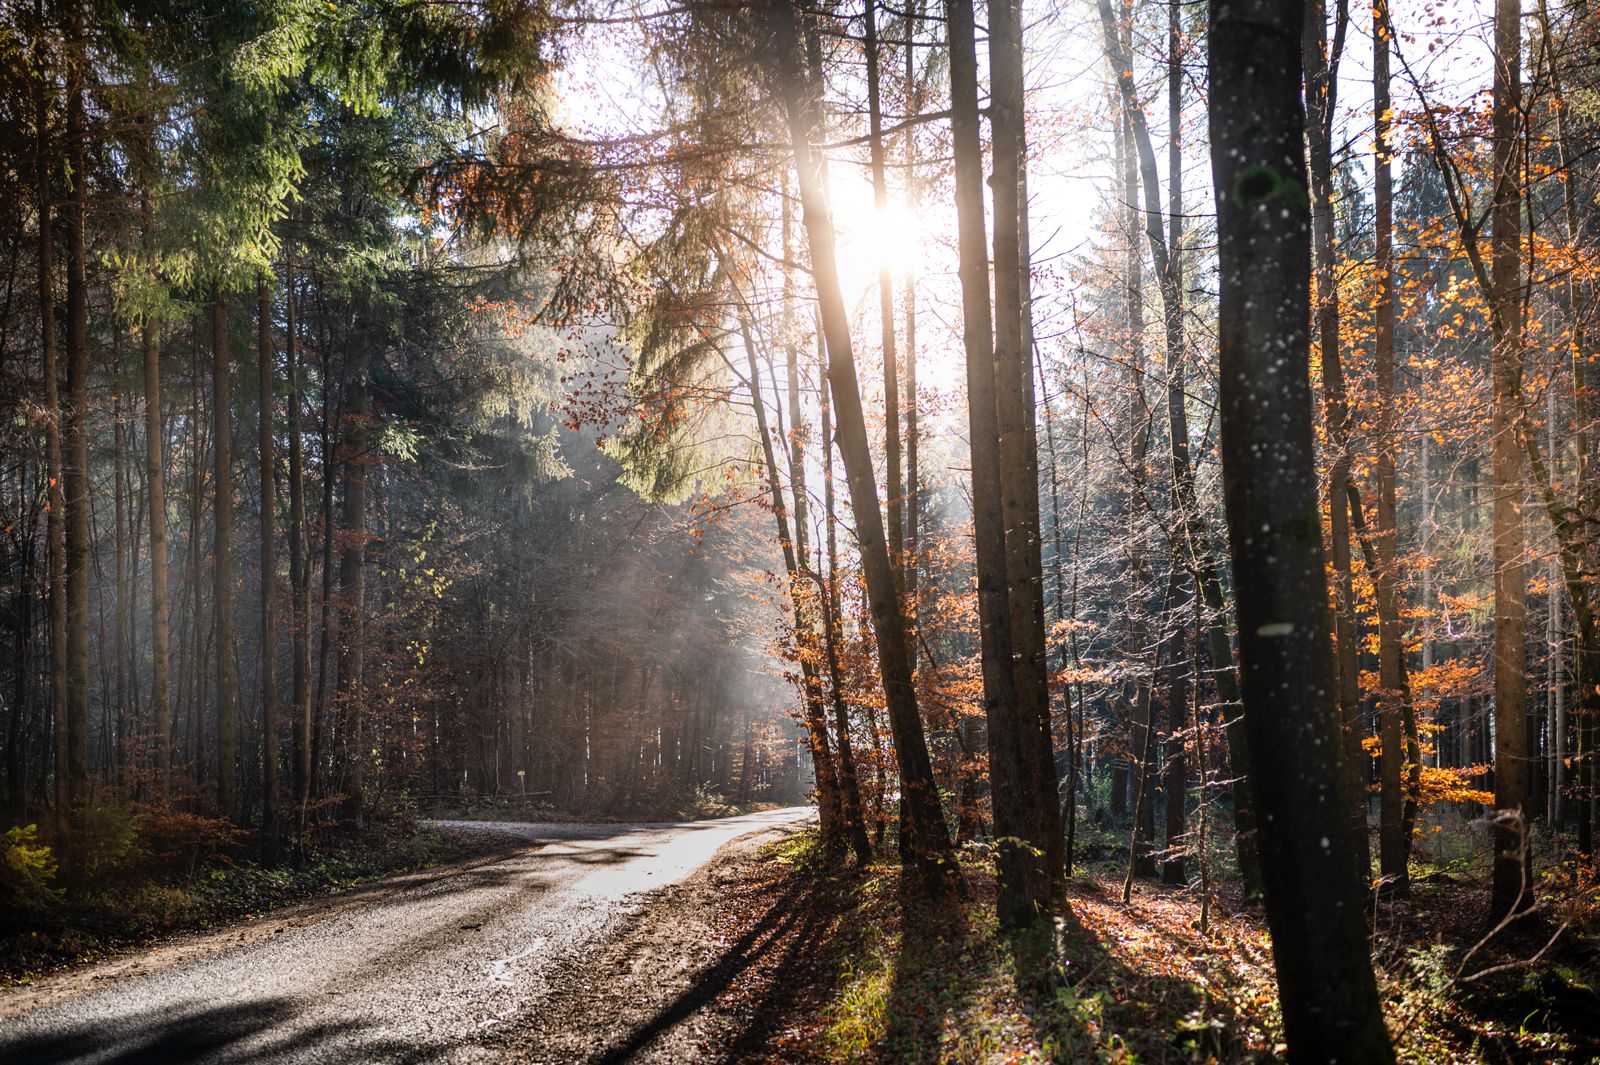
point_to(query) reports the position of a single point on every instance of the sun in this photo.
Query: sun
(868, 239)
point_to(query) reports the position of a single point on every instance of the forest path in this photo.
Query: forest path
(420, 972)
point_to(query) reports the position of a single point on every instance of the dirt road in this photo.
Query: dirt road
(420, 969)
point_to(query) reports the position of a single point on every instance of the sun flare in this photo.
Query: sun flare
(870, 239)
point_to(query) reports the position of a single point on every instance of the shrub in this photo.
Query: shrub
(109, 840)
(179, 839)
(26, 869)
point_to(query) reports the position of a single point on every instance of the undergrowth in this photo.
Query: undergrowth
(913, 981)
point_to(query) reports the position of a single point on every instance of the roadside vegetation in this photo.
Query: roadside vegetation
(891, 977)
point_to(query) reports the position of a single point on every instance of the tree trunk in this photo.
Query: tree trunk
(1176, 784)
(913, 483)
(1023, 878)
(930, 839)
(76, 475)
(155, 487)
(265, 364)
(119, 546)
(1512, 859)
(1322, 93)
(1176, 780)
(353, 446)
(894, 489)
(1136, 692)
(197, 669)
(1586, 652)
(1399, 768)
(1019, 454)
(1312, 886)
(299, 573)
(55, 518)
(222, 561)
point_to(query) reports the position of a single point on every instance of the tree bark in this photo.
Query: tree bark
(1322, 74)
(894, 489)
(1586, 650)
(355, 440)
(76, 472)
(1176, 772)
(1019, 455)
(1312, 885)
(265, 359)
(222, 560)
(1023, 878)
(1512, 860)
(913, 483)
(55, 517)
(299, 572)
(1136, 690)
(155, 488)
(1400, 768)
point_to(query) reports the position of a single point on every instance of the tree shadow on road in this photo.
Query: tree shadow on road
(788, 924)
(240, 1033)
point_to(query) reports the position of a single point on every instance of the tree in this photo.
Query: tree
(45, 171)
(75, 463)
(929, 840)
(227, 707)
(1022, 878)
(266, 366)
(156, 510)
(1512, 856)
(1310, 880)
(1019, 445)
(299, 570)
(1322, 86)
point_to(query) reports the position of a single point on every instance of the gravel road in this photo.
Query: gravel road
(419, 969)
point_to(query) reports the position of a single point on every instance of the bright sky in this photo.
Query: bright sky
(607, 91)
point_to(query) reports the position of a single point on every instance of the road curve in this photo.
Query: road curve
(415, 974)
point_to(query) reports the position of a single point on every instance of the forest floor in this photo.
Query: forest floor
(816, 962)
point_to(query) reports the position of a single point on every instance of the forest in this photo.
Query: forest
(865, 531)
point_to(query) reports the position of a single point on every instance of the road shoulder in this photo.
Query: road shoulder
(702, 971)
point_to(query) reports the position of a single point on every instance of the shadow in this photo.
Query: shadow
(804, 974)
(777, 923)
(1159, 1016)
(236, 1034)
(520, 867)
(936, 973)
